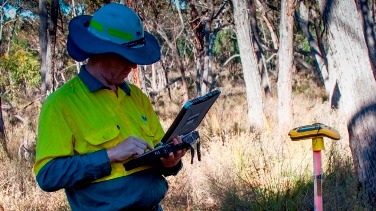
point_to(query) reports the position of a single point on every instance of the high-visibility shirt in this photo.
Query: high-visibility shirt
(77, 123)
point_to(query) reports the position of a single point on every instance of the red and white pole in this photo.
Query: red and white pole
(317, 146)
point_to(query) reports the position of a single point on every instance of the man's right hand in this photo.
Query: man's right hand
(130, 147)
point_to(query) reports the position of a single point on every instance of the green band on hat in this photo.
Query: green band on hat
(96, 25)
(120, 34)
(111, 31)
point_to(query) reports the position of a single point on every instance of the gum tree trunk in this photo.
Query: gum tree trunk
(248, 57)
(286, 65)
(3, 150)
(348, 56)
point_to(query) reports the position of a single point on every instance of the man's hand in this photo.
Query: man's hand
(130, 147)
(173, 158)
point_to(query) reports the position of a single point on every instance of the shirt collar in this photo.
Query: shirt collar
(94, 84)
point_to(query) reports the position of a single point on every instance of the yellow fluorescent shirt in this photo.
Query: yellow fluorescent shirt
(75, 120)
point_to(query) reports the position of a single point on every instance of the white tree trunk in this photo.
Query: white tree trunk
(153, 77)
(249, 63)
(285, 66)
(348, 56)
(3, 142)
(45, 49)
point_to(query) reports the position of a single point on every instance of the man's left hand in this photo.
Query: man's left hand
(174, 157)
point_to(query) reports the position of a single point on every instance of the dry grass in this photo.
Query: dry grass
(240, 170)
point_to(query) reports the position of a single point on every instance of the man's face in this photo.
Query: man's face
(115, 68)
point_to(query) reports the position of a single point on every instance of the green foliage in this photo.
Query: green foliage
(305, 45)
(225, 45)
(185, 48)
(19, 69)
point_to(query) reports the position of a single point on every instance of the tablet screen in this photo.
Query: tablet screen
(191, 115)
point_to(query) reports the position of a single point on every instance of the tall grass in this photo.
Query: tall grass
(243, 170)
(240, 169)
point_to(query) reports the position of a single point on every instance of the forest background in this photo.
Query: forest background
(279, 64)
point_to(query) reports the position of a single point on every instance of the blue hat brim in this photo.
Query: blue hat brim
(81, 44)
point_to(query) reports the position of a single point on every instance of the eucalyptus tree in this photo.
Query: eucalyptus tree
(348, 57)
(45, 48)
(310, 23)
(206, 19)
(285, 65)
(248, 57)
(3, 149)
(160, 18)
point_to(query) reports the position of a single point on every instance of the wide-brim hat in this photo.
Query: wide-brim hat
(114, 28)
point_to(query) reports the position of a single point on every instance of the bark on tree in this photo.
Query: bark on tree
(249, 64)
(369, 32)
(3, 150)
(348, 56)
(198, 42)
(285, 66)
(45, 49)
(153, 78)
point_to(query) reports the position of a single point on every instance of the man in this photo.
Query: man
(96, 121)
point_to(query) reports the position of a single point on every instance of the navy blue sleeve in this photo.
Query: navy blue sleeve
(77, 170)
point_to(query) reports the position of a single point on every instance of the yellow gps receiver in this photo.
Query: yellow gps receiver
(316, 132)
(312, 131)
